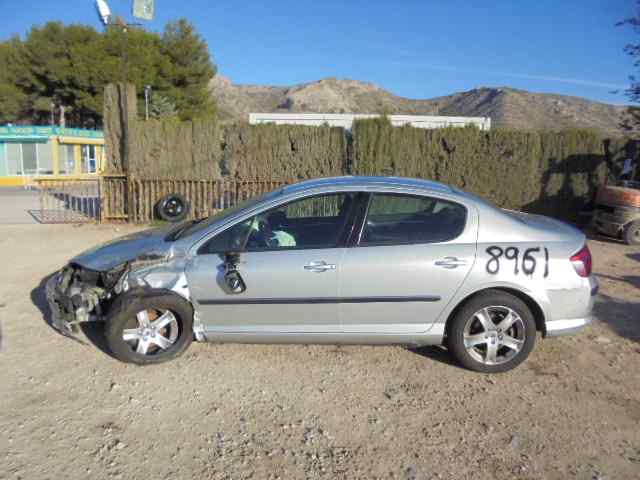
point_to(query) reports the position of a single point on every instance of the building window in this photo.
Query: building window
(14, 159)
(45, 159)
(66, 159)
(3, 160)
(88, 159)
(29, 159)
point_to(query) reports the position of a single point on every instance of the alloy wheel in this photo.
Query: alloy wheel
(494, 335)
(153, 331)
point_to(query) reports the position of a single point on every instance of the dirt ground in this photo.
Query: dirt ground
(68, 410)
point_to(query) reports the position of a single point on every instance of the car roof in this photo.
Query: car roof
(367, 182)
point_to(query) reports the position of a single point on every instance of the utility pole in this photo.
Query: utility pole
(147, 91)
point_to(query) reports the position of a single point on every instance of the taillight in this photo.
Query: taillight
(581, 261)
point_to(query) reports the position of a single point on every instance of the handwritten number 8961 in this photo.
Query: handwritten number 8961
(528, 263)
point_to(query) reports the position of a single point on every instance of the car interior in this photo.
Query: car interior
(309, 223)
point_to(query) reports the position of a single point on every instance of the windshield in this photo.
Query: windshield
(202, 224)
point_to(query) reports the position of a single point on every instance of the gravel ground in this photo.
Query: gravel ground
(68, 410)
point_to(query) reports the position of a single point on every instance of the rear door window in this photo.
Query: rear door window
(404, 219)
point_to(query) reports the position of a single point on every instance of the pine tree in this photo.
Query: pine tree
(69, 66)
(161, 107)
(13, 100)
(190, 70)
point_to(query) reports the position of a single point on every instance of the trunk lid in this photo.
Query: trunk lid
(549, 228)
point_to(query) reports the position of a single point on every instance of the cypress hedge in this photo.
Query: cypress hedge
(171, 149)
(549, 172)
(291, 152)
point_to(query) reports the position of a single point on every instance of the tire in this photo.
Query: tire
(172, 208)
(511, 346)
(168, 333)
(631, 233)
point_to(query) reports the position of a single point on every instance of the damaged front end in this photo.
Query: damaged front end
(84, 289)
(76, 295)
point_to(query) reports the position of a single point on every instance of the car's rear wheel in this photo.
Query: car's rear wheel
(493, 332)
(145, 327)
(631, 233)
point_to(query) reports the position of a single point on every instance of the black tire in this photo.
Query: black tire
(172, 208)
(123, 315)
(631, 233)
(497, 300)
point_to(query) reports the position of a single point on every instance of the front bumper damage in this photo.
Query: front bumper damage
(60, 308)
(76, 295)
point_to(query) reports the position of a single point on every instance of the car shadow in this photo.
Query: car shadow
(601, 237)
(620, 314)
(435, 352)
(634, 256)
(633, 280)
(93, 331)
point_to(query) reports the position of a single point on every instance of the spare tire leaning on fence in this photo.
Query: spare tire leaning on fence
(172, 208)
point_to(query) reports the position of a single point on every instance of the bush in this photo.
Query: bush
(550, 172)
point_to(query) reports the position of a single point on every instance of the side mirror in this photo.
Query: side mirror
(232, 277)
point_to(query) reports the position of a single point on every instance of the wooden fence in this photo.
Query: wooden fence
(134, 199)
(122, 198)
(114, 198)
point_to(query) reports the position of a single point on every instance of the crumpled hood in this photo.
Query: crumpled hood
(116, 252)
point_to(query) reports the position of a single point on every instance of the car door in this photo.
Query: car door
(411, 255)
(290, 260)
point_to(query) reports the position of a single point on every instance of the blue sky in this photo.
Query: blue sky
(417, 49)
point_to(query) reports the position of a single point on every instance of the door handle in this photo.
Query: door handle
(450, 262)
(320, 266)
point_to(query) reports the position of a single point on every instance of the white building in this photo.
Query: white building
(345, 120)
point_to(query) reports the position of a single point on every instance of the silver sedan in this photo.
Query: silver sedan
(357, 260)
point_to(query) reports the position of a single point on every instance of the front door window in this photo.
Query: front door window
(309, 223)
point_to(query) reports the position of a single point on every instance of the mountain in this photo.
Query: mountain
(507, 107)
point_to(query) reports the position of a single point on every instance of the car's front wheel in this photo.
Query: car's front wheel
(146, 327)
(493, 332)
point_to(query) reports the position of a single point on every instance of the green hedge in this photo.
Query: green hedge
(291, 152)
(554, 173)
(171, 149)
(546, 172)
